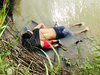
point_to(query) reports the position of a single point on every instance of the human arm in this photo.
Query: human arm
(40, 25)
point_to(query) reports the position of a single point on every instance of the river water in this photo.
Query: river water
(65, 13)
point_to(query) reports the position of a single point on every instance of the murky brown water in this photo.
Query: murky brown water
(64, 12)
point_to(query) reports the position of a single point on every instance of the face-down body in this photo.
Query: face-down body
(41, 34)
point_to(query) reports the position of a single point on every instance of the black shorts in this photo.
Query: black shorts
(61, 32)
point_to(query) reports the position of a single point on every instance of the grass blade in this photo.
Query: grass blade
(2, 65)
(46, 69)
(51, 66)
(15, 41)
(28, 68)
(2, 32)
(56, 69)
(3, 12)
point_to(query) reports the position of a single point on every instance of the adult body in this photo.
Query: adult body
(38, 35)
(55, 32)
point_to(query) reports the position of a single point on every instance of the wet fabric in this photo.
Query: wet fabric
(46, 45)
(35, 39)
(61, 32)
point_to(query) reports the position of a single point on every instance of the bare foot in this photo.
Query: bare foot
(81, 24)
(86, 29)
(60, 44)
(78, 24)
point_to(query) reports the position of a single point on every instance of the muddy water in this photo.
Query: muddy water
(64, 12)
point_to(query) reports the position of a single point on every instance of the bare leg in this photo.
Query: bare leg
(78, 24)
(56, 45)
(58, 41)
(86, 29)
(54, 41)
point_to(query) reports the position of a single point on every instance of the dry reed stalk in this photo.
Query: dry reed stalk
(22, 56)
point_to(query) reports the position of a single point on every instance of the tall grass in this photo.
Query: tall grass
(56, 69)
(28, 68)
(91, 64)
(51, 65)
(2, 17)
(3, 70)
(46, 69)
(2, 29)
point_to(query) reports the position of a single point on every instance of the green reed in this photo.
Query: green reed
(2, 29)
(56, 69)
(3, 49)
(51, 65)
(91, 64)
(28, 68)
(46, 69)
(2, 63)
(2, 17)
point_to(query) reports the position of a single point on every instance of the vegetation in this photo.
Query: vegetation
(16, 59)
(90, 65)
(19, 60)
(2, 51)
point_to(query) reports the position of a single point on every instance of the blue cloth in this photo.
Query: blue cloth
(61, 32)
(25, 28)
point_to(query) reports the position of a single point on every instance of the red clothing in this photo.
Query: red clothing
(46, 45)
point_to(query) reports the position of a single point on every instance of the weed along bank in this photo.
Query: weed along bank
(78, 54)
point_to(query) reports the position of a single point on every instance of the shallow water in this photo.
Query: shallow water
(65, 13)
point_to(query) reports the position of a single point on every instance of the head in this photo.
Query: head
(26, 36)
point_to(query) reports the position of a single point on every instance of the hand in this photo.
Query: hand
(43, 26)
(29, 31)
(40, 25)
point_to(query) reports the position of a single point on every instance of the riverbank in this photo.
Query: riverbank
(17, 59)
(15, 53)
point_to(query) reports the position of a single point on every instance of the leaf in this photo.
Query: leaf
(3, 12)
(51, 66)
(95, 46)
(98, 50)
(4, 27)
(9, 65)
(2, 65)
(5, 53)
(79, 50)
(2, 32)
(28, 68)
(15, 41)
(46, 69)
(56, 69)
(97, 56)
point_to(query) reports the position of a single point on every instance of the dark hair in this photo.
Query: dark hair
(25, 41)
(26, 36)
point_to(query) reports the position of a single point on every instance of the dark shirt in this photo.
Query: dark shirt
(35, 39)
